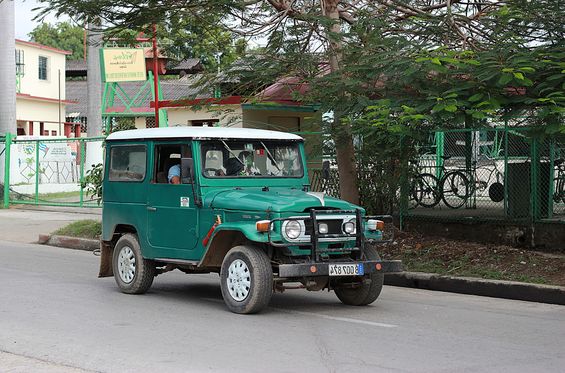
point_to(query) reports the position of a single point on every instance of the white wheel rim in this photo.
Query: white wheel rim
(126, 264)
(239, 280)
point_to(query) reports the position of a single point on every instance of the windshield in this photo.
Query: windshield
(251, 158)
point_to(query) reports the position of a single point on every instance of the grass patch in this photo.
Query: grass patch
(60, 195)
(83, 228)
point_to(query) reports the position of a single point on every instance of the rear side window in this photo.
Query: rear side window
(127, 163)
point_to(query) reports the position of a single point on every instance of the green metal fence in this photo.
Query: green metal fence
(47, 171)
(511, 174)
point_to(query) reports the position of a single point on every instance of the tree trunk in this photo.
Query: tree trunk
(341, 133)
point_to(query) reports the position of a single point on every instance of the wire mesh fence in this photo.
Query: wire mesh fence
(504, 173)
(495, 173)
(49, 171)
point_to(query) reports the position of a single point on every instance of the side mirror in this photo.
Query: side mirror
(187, 170)
(326, 170)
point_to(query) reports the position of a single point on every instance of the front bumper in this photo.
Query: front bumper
(316, 269)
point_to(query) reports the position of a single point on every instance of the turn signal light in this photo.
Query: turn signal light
(263, 225)
(374, 225)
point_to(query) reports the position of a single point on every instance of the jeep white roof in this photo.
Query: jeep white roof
(202, 133)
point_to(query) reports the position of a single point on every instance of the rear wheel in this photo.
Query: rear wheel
(246, 279)
(133, 273)
(455, 189)
(367, 291)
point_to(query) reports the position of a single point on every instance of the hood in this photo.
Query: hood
(276, 200)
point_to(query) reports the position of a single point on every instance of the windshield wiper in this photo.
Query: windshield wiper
(270, 156)
(232, 153)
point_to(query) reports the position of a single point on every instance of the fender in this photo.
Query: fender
(227, 235)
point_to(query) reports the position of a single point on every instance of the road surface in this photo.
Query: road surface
(56, 316)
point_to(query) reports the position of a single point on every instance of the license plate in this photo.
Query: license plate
(346, 270)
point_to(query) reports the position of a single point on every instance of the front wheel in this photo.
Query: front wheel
(133, 273)
(367, 291)
(246, 280)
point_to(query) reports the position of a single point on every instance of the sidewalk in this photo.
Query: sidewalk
(25, 223)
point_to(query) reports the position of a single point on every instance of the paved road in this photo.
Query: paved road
(56, 316)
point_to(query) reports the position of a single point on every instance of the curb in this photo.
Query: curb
(477, 286)
(69, 242)
(427, 281)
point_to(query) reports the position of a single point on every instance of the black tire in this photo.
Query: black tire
(425, 190)
(455, 189)
(367, 293)
(246, 279)
(559, 192)
(496, 192)
(127, 253)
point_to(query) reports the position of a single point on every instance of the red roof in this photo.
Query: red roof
(283, 90)
(44, 47)
(38, 98)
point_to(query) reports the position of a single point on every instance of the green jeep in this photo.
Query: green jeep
(240, 206)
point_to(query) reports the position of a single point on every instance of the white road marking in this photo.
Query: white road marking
(337, 318)
(322, 316)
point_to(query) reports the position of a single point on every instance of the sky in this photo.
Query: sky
(24, 18)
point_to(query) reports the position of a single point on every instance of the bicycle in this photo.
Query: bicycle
(455, 187)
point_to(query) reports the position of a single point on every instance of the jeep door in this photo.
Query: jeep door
(172, 217)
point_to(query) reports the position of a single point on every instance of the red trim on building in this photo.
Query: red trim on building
(38, 98)
(230, 100)
(45, 47)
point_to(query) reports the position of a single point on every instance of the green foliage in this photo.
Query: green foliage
(122, 124)
(384, 69)
(92, 182)
(62, 35)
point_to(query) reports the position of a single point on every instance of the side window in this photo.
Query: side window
(168, 161)
(42, 70)
(127, 162)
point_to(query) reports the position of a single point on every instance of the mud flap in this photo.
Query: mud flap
(106, 250)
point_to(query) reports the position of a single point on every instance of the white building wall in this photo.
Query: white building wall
(37, 101)
(30, 82)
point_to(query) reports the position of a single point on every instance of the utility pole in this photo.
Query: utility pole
(7, 74)
(94, 93)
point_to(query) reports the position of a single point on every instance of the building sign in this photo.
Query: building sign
(122, 64)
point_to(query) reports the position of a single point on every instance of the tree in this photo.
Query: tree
(352, 53)
(62, 35)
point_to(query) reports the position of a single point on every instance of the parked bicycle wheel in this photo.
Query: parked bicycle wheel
(559, 192)
(454, 189)
(425, 190)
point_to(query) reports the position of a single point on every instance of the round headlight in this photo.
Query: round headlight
(349, 227)
(292, 229)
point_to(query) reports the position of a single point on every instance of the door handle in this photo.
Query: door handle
(149, 208)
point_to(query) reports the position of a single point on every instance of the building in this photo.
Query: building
(41, 91)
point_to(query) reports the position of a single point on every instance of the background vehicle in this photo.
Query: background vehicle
(243, 210)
